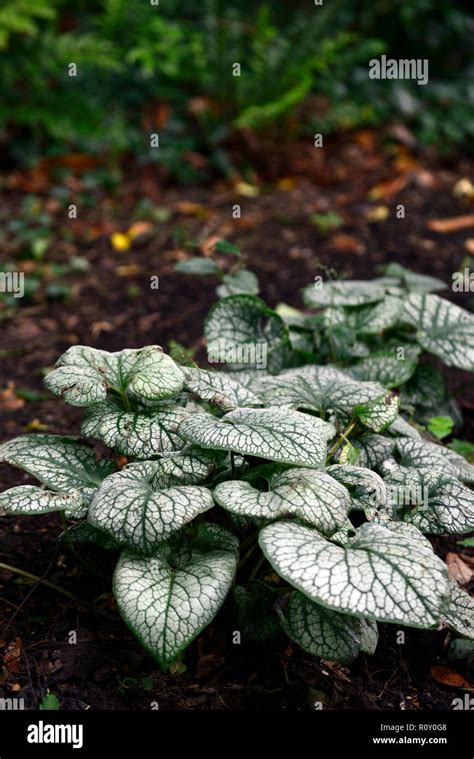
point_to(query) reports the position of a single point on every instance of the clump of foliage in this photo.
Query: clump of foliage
(168, 68)
(306, 488)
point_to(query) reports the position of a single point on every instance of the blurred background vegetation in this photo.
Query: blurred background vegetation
(144, 68)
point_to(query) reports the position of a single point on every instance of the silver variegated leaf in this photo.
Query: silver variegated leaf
(290, 437)
(370, 319)
(375, 318)
(242, 332)
(322, 388)
(368, 489)
(430, 498)
(343, 293)
(388, 367)
(426, 387)
(369, 636)
(312, 496)
(383, 575)
(374, 449)
(321, 631)
(62, 463)
(135, 508)
(442, 328)
(189, 467)
(422, 453)
(241, 281)
(411, 280)
(380, 413)
(168, 598)
(459, 611)
(85, 375)
(139, 434)
(29, 499)
(401, 428)
(219, 389)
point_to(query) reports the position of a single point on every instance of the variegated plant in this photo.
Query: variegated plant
(306, 487)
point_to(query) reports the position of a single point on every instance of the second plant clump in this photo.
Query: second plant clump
(307, 486)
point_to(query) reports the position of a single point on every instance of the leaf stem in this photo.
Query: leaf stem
(342, 436)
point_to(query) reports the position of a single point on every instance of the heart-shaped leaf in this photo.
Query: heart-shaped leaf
(242, 332)
(167, 599)
(442, 328)
(85, 375)
(139, 434)
(135, 508)
(312, 496)
(383, 575)
(280, 435)
(242, 281)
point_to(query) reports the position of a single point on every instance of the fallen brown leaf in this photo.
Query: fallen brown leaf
(12, 655)
(458, 569)
(469, 245)
(128, 270)
(448, 676)
(8, 400)
(346, 244)
(453, 224)
(187, 208)
(139, 228)
(386, 190)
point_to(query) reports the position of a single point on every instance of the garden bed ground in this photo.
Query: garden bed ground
(111, 306)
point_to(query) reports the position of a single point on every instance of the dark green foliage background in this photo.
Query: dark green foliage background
(132, 55)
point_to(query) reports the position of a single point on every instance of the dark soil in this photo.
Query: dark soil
(112, 307)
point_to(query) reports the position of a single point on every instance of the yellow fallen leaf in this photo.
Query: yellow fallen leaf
(35, 424)
(120, 241)
(286, 183)
(379, 213)
(247, 190)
